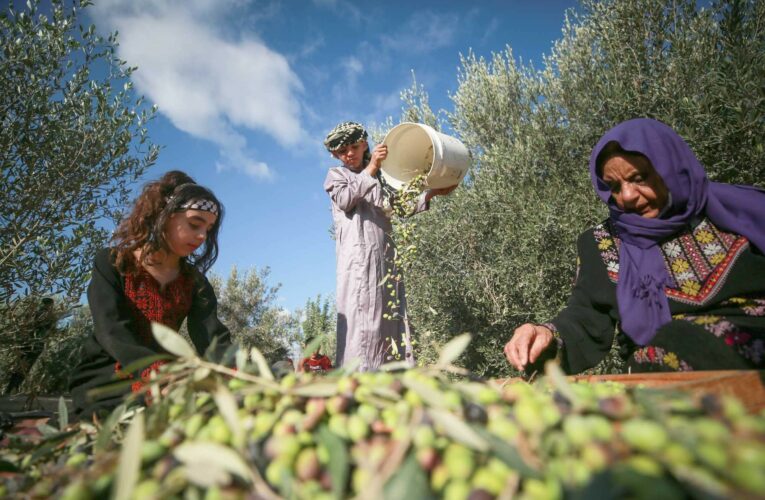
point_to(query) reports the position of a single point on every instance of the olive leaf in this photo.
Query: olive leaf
(172, 342)
(395, 366)
(507, 452)
(241, 359)
(312, 347)
(129, 467)
(409, 481)
(228, 410)
(431, 397)
(318, 389)
(453, 349)
(106, 433)
(458, 429)
(212, 457)
(201, 373)
(558, 380)
(63, 414)
(339, 460)
(263, 369)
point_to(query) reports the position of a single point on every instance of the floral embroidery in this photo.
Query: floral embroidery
(672, 249)
(680, 265)
(707, 319)
(746, 344)
(609, 251)
(683, 277)
(148, 304)
(754, 307)
(698, 260)
(658, 356)
(716, 259)
(704, 236)
(737, 338)
(670, 359)
(690, 288)
(713, 249)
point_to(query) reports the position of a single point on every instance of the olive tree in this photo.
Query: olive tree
(318, 320)
(72, 142)
(247, 305)
(500, 250)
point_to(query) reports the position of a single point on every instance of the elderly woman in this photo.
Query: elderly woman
(677, 271)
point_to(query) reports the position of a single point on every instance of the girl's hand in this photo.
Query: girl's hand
(379, 153)
(527, 344)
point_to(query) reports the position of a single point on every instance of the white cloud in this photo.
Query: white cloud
(342, 8)
(236, 160)
(424, 32)
(387, 104)
(352, 66)
(310, 47)
(206, 82)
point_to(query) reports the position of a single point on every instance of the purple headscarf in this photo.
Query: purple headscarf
(643, 305)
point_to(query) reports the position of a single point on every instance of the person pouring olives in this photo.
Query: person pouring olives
(366, 329)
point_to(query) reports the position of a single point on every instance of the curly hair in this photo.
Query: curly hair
(144, 228)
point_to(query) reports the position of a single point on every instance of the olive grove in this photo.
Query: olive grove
(500, 250)
(72, 142)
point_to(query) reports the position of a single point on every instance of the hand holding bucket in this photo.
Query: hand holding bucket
(416, 149)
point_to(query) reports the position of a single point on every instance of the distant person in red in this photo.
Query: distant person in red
(316, 362)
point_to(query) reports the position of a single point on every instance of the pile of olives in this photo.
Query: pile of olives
(213, 432)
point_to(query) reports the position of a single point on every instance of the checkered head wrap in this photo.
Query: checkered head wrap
(196, 201)
(202, 204)
(344, 134)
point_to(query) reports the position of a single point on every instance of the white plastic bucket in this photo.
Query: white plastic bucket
(414, 149)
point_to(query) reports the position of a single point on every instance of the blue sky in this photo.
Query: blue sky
(247, 90)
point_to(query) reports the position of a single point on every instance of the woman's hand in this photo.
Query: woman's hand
(440, 192)
(527, 344)
(379, 153)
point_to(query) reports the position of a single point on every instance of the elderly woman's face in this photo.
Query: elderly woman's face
(635, 185)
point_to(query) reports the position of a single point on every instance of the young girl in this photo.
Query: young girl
(154, 272)
(362, 229)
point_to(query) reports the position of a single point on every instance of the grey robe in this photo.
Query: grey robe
(362, 229)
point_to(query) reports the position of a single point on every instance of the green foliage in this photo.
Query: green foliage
(69, 122)
(41, 361)
(247, 306)
(72, 141)
(62, 354)
(318, 321)
(500, 250)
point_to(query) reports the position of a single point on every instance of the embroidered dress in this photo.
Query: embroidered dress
(363, 247)
(716, 300)
(123, 308)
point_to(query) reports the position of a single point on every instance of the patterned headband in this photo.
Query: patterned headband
(344, 134)
(202, 204)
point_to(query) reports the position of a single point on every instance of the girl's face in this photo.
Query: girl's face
(351, 154)
(186, 231)
(635, 185)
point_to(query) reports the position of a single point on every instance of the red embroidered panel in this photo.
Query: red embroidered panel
(149, 304)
